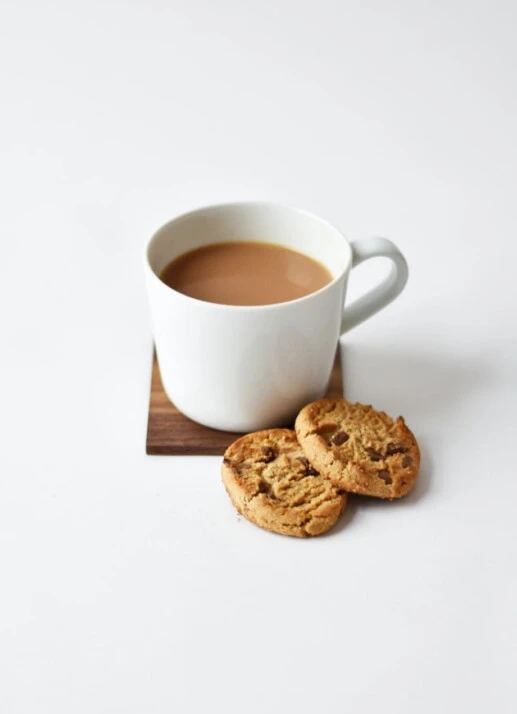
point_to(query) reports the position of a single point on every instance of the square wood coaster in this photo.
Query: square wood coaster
(169, 432)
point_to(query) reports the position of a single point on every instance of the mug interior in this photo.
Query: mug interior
(264, 222)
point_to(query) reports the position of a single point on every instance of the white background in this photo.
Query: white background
(128, 583)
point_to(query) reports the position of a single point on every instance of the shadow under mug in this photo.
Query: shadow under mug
(244, 368)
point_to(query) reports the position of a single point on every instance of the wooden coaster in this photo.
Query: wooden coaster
(169, 432)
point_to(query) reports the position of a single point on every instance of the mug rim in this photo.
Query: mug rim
(241, 204)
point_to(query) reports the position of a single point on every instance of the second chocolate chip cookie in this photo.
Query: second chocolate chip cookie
(271, 482)
(358, 448)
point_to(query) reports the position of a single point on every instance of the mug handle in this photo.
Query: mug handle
(380, 296)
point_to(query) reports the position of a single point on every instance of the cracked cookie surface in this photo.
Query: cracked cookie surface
(359, 449)
(271, 483)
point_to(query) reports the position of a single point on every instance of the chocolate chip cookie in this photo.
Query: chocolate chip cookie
(272, 484)
(358, 448)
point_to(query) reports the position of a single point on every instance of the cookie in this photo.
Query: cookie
(358, 448)
(272, 484)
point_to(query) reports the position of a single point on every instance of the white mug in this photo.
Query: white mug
(244, 368)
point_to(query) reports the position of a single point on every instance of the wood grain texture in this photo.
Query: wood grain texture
(169, 432)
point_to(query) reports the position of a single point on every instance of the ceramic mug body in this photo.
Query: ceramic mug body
(244, 368)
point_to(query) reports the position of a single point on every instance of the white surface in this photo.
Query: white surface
(128, 582)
